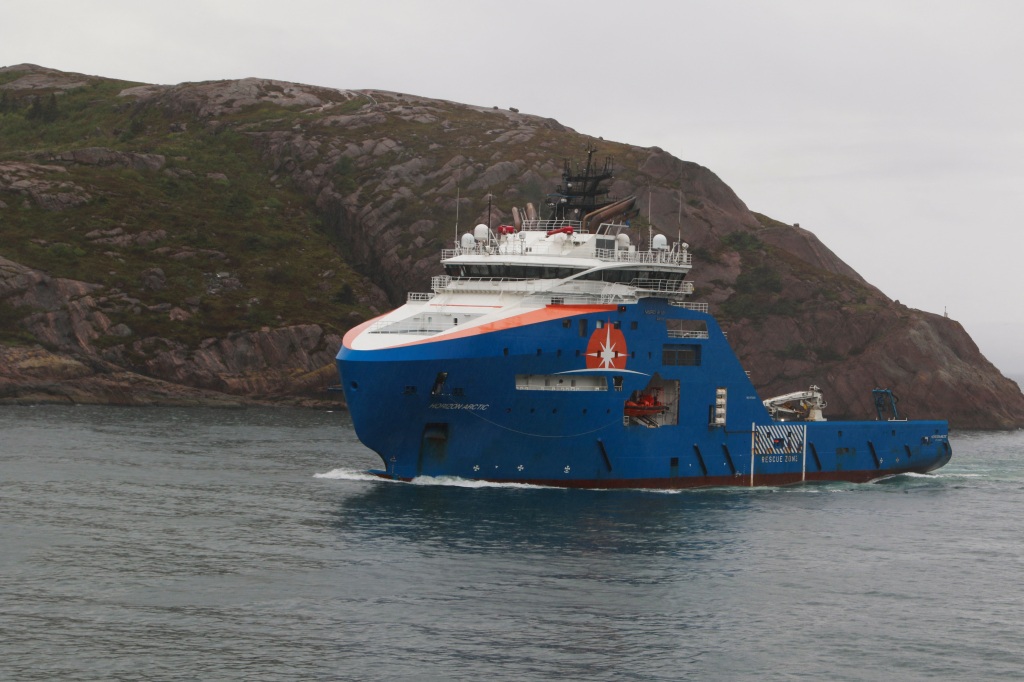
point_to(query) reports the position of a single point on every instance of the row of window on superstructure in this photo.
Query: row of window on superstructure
(612, 275)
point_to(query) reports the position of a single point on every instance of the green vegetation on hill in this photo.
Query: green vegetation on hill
(777, 282)
(237, 249)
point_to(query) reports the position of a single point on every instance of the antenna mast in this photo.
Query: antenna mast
(458, 197)
(650, 218)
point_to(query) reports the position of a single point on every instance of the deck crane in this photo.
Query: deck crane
(797, 406)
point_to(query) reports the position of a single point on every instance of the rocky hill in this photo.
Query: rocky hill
(208, 243)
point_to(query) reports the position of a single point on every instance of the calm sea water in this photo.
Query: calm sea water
(175, 544)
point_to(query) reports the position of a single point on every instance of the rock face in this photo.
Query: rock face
(65, 316)
(40, 78)
(99, 156)
(391, 179)
(35, 375)
(929, 361)
(217, 98)
(295, 360)
(46, 186)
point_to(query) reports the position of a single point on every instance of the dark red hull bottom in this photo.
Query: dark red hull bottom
(680, 483)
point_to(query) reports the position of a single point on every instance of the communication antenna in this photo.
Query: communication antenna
(650, 218)
(679, 214)
(458, 196)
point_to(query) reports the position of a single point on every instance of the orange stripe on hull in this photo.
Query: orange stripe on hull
(352, 333)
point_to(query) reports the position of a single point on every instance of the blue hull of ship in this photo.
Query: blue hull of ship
(476, 423)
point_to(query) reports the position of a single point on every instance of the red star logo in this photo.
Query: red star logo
(606, 348)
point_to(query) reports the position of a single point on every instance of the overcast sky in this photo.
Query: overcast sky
(892, 129)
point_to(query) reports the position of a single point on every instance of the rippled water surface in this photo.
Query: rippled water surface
(247, 545)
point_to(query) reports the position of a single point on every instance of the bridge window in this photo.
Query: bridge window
(681, 354)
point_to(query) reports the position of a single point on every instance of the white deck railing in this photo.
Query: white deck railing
(687, 305)
(568, 292)
(548, 225)
(518, 248)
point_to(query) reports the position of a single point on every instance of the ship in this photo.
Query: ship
(566, 351)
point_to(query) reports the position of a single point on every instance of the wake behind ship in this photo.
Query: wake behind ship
(558, 352)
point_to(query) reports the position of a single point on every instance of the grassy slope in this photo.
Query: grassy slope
(268, 233)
